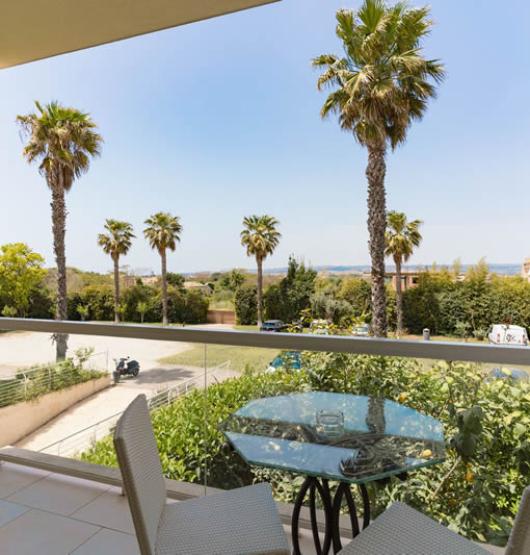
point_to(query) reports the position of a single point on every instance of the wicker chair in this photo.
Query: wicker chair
(241, 521)
(401, 530)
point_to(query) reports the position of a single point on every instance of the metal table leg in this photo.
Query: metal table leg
(313, 486)
(331, 508)
(344, 490)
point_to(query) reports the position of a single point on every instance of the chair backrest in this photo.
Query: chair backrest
(519, 541)
(141, 472)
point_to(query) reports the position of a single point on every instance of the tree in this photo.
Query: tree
(83, 311)
(21, 271)
(236, 278)
(98, 300)
(62, 140)
(175, 279)
(141, 307)
(116, 242)
(401, 238)
(356, 291)
(260, 237)
(380, 85)
(422, 304)
(246, 305)
(286, 300)
(163, 232)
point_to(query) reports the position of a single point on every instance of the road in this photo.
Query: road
(23, 349)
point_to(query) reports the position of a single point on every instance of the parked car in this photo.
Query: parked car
(361, 331)
(503, 334)
(272, 325)
(288, 360)
(515, 374)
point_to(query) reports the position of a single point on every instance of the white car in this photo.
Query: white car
(503, 334)
(361, 331)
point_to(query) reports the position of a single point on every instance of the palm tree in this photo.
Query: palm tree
(236, 279)
(163, 232)
(260, 237)
(380, 85)
(62, 140)
(401, 238)
(115, 242)
(141, 308)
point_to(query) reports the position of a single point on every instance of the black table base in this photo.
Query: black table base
(331, 506)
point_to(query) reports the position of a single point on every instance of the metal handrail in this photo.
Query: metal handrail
(291, 341)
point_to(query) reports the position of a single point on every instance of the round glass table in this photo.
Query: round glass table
(339, 437)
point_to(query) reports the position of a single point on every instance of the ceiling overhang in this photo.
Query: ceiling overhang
(34, 29)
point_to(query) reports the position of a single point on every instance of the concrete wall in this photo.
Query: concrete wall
(17, 421)
(221, 317)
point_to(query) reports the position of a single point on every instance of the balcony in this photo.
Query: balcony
(52, 491)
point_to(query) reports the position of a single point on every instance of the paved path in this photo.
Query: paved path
(104, 404)
(109, 402)
(21, 349)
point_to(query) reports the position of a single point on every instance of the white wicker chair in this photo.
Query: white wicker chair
(237, 522)
(401, 530)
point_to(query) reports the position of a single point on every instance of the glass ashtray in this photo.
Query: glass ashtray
(330, 423)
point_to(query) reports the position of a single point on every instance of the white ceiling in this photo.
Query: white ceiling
(35, 29)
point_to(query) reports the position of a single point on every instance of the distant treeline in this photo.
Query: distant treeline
(441, 301)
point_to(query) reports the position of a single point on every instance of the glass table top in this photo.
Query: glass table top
(335, 435)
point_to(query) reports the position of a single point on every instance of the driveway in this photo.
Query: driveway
(23, 349)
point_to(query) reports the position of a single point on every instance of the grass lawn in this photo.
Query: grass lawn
(239, 357)
(238, 327)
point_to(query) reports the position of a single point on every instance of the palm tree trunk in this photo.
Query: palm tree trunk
(259, 262)
(375, 173)
(375, 417)
(116, 260)
(399, 298)
(58, 205)
(164, 287)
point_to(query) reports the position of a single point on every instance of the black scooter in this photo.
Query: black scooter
(126, 367)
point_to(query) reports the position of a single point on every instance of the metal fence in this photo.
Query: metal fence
(29, 383)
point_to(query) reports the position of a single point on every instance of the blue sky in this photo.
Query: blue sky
(220, 119)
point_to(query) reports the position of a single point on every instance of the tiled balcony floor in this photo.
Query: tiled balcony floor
(51, 514)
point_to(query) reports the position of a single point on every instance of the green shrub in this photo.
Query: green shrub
(97, 302)
(452, 307)
(286, 299)
(475, 495)
(246, 305)
(479, 497)
(187, 432)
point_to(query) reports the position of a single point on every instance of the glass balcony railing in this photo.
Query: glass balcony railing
(337, 425)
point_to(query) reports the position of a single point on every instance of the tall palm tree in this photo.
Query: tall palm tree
(380, 85)
(62, 141)
(401, 238)
(260, 237)
(116, 242)
(163, 232)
